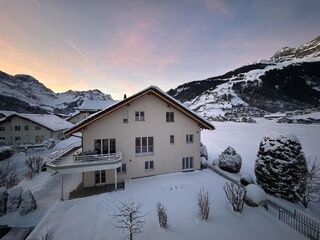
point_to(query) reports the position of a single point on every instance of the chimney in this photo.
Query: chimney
(125, 96)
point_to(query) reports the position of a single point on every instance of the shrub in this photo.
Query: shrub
(281, 167)
(34, 164)
(235, 194)
(203, 204)
(230, 160)
(162, 215)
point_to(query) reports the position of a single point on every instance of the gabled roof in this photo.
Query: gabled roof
(49, 121)
(152, 89)
(95, 105)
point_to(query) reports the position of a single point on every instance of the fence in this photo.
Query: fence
(302, 223)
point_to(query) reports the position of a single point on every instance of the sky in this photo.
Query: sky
(123, 46)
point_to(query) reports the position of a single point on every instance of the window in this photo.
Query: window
(97, 146)
(2, 138)
(17, 128)
(144, 145)
(170, 116)
(187, 163)
(171, 139)
(26, 128)
(39, 138)
(2, 129)
(38, 128)
(189, 138)
(105, 146)
(17, 139)
(122, 169)
(148, 165)
(139, 116)
(100, 176)
(125, 116)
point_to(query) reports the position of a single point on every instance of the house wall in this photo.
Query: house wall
(79, 117)
(167, 157)
(26, 136)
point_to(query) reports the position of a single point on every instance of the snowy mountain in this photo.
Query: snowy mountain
(289, 80)
(23, 93)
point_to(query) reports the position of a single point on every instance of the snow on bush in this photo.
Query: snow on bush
(3, 201)
(255, 195)
(28, 203)
(14, 199)
(203, 151)
(281, 167)
(203, 203)
(162, 215)
(246, 179)
(235, 194)
(204, 162)
(230, 160)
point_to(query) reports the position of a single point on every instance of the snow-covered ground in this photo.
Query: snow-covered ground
(44, 186)
(246, 137)
(90, 218)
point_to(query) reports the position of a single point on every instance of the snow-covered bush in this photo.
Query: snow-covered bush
(281, 167)
(203, 162)
(203, 203)
(14, 199)
(230, 160)
(162, 215)
(203, 151)
(28, 203)
(235, 194)
(246, 179)
(255, 196)
(3, 201)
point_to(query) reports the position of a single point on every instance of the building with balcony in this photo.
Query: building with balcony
(146, 134)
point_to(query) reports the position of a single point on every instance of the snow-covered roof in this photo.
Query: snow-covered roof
(95, 105)
(275, 115)
(314, 115)
(161, 94)
(7, 113)
(50, 121)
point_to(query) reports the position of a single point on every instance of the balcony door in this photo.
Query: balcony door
(105, 146)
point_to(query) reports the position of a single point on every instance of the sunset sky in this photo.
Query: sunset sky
(123, 46)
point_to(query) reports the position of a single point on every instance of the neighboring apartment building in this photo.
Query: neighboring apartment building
(89, 107)
(22, 128)
(146, 134)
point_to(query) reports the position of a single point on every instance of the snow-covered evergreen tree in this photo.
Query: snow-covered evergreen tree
(281, 167)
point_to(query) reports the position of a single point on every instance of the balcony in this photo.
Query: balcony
(85, 163)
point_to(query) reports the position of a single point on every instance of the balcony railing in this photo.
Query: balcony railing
(112, 157)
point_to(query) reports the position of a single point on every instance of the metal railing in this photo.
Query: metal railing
(56, 155)
(98, 157)
(299, 222)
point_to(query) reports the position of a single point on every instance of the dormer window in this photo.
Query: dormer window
(139, 116)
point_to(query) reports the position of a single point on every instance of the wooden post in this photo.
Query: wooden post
(61, 187)
(115, 179)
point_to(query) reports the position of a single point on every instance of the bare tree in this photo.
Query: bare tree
(203, 204)
(313, 181)
(162, 215)
(129, 218)
(235, 194)
(8, 174)
(34, 164)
